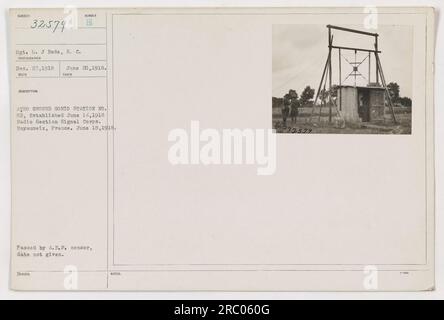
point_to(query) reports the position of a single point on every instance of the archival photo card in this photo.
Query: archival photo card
(192, 149)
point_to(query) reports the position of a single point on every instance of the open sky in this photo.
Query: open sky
(300, 52)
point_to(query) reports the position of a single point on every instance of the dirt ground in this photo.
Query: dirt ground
(303, 125)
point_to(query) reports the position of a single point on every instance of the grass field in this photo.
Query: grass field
(306, 123)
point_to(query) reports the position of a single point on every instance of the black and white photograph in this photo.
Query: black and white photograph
(342, 79)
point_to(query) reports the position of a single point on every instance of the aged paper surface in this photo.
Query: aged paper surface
(222, 149)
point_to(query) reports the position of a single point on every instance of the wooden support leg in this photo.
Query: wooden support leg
(384, 84)
(320, 86)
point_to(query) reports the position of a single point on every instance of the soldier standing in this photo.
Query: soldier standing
(294, 110)
(286, 109)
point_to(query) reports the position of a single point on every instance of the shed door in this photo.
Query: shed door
(364, 105)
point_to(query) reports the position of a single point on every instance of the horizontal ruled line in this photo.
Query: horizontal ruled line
(60, 44)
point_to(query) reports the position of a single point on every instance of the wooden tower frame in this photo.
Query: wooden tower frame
(327, 73)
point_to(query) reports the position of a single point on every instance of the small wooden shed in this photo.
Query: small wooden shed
(361, 104)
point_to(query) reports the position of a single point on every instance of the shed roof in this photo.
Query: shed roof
(364, 87)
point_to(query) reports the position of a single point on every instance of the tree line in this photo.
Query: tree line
(307, 95)
(305, 100)
(393, 89)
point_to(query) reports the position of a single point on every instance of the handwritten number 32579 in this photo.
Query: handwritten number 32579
(53, 25)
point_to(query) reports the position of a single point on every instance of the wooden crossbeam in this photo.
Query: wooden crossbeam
(329, 26)
(355, 49)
